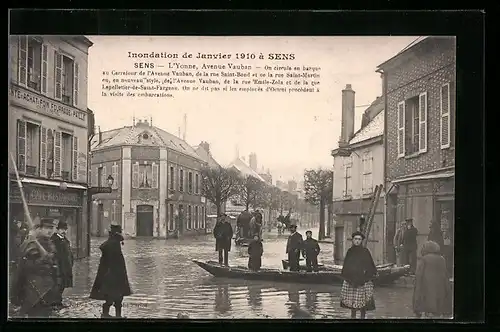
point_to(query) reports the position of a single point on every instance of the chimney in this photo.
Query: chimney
(347, 130)
(100, 135)
(139, 121)
(205, 146)
(146, 123)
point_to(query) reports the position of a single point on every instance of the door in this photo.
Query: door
(180, 225)
(338, 251)
(144, 220)
(100, 220)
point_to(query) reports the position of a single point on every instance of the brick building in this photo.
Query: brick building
(358, 168)
(47, 130)
(157, 186)
(419, 84)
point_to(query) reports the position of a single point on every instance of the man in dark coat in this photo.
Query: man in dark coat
(35, 283)
(223, 233)
(293, 248)
(410, 245)
(311, 251)
(111, 282)
(64, 258)
(255, 252)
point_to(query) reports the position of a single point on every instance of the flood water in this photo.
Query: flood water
(165, 283)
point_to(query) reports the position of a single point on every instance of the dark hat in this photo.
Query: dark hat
(409, 220)
(47, 222)
(115, 228)
(358, 233)
(293, 226)
(62, 225)
(309, 232)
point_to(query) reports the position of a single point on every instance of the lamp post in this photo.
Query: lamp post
(91, 191)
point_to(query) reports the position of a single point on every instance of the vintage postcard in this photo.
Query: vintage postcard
(198, 177)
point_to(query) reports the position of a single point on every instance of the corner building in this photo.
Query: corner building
(420, 85)
(47, 130)
(157, 183)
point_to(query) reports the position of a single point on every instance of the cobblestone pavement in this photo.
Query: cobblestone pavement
(165, 283)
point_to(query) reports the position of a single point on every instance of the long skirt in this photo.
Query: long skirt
(357, 298)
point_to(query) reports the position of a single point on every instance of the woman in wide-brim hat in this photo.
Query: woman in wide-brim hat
(358, 273)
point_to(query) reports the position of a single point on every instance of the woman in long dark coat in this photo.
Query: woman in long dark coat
(432, 294)
(358, 272)
(111, 282)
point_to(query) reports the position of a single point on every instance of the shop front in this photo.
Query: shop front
(61, 202)
(426, 200)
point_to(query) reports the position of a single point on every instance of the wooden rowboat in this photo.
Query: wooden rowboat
(388, 273)
(322, 277)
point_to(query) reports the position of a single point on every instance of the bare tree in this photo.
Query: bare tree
(219, 185)
(318, 191)
(250, 191)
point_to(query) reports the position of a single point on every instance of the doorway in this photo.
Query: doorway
(180, 224)
(338, 251)
(144, 220)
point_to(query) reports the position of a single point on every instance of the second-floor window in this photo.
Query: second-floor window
(445, 108)
(367, 162)
(144, 175)
(66, 154)
(197, 183)
(66, 79)
(412, 125)
(190, 182)
(347, 191)
(32, 149)
(171, 178)
(32, 63)
(101, 176)
(181, 180)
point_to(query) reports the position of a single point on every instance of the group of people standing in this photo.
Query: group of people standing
(43, 268)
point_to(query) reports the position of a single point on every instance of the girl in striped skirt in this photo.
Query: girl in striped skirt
(358, 272)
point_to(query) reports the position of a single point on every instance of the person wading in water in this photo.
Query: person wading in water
(111, 282)
(358, 272)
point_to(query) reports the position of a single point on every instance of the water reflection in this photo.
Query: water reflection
(311, 301)
(254, 296)
(222, 300)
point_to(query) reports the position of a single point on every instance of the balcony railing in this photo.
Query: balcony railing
(66, 175)
(31, 170)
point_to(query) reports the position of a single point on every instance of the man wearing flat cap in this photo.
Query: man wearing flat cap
(35, 283)
(410, 245)
(111, 282)
(64, 258)
(294, 246)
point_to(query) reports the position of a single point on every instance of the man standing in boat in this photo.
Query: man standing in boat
(410, 245)
(311, 251)
(293, 247)
(223, 233)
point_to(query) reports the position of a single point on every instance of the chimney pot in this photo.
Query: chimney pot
(347, 129)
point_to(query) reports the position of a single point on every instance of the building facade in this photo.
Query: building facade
(420, 149)
(358, 168)
(47, 130)
(157, 185)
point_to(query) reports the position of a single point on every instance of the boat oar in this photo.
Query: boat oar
(27, 214)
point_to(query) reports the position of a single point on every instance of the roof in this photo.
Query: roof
(243, 168)
(404, 50)
(134, 135)
(373, 129)
(206, 156)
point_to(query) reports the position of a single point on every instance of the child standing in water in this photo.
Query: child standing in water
(255, 251)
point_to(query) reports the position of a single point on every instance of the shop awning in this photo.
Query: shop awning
(443, 175)
(52, 183)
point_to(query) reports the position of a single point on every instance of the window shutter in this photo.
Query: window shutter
(58, 75)
(114, 174)
(57, 154)
(21, 146)
(75, 159)
(44, 68)
(422, 144)
(445, 116)
(43, 151)
(154, 181)
(135, 175)
(401, 129)
(104, 182)
(76, 75)
(22, 73)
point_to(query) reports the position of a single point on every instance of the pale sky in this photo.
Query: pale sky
(288, 132)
